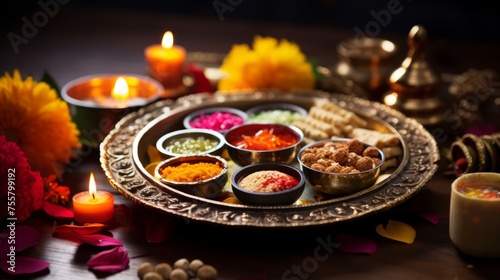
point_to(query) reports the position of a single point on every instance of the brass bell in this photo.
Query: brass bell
(413, 87)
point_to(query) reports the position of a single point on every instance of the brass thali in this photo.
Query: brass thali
(124, 156)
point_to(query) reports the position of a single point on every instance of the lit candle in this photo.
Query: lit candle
(97, 102)
(93, 206)
(166, 61)
(119, 97)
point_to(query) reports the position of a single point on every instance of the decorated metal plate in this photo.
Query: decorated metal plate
(125, 160)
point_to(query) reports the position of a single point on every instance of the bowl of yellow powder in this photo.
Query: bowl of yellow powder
(200, 175)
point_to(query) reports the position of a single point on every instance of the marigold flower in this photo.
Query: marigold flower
(34, 117)
(25, 194)
(269, 65)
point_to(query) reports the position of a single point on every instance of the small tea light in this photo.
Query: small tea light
(93, 206)
(475, 214)
(98, 101)
(166, 62)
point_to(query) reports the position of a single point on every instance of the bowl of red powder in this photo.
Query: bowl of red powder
(219, 119)
(268, 184)
(200, 175)
(253, 143)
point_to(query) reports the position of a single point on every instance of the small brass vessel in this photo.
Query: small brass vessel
(414, 85)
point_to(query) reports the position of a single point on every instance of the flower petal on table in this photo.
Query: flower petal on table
(25, 237)
(159, 229)
(123, 215)
(355, 244)
(398, 231)
(84, 229)
(24, 265)
(99, 240)
(431, 217)
(57, 211)
(112, 260)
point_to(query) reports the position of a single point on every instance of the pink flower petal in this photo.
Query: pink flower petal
(99, 240)
(23, 265)
(112, 260)
(57, 211)
(355, 244)
(123, 215)
(160, 229)
(84, 229)
(431, 217)
(25, 237)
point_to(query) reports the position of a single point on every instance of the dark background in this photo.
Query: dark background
(86, 37)
(465, 20)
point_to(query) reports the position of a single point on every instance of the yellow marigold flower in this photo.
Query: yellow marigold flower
(270, 65)
(33, 116)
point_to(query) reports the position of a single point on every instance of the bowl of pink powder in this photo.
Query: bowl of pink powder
(219, 119)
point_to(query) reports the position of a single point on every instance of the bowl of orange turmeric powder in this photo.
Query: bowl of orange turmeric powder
(201, 175)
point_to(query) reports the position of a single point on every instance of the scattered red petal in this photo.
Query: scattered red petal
(355, 244)
(26, 237)
(123, 215)
(57, 211)
(113, 260)
(202, 84)
(159, 229)
(99, 240)
(84, 229)
(24, 265)
(431, 217)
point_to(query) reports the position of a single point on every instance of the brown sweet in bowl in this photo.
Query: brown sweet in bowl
(340, 166)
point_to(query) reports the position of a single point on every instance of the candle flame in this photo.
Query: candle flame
(391, 99)
(120, 90)
(92, 186)
(168, 40)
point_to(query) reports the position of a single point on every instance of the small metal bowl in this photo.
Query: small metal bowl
(165, 143)
(284, 197)
(209, 188)
(271, 116)
(187, 121)
(243, 157)
(339, 184)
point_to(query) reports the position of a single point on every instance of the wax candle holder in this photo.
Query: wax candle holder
(93, 206)
(166, 63)
(95, 110)
(475, 214)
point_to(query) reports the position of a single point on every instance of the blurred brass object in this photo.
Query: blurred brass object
(368, 63)
(472, 153)
(476, 95)
(414, 85)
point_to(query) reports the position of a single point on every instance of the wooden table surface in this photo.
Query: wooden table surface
(113, 41)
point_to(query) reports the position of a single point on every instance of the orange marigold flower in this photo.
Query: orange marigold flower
(34, 117)
(269, 65)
